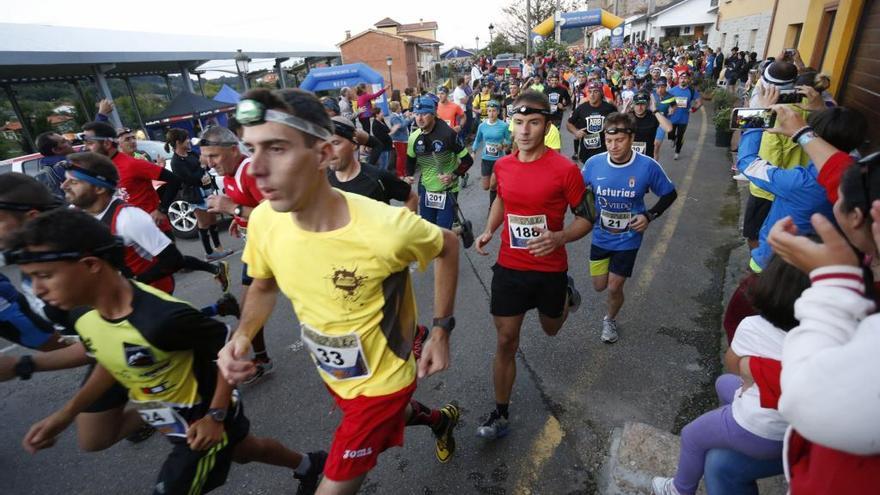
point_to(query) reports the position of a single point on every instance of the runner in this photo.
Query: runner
(347, 174)
(434, 149)
(586, 122)
(494, 136)
(158, 347)
(343, 260)
(535, 186)
(687, 101)
(559, 99)
(448, 111)
(513, 94)
(647, 124)
(662, 100)
(620, 179)
(221, 151)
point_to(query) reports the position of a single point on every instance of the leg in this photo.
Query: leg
(555, 297)
(726, 385)
(700, 435)
(429, 214)
(679, 136)
(347, 487)
(101, 430)
(615, 294)
(203, 223)
(504, 364)
(265, 451)
(728, 472)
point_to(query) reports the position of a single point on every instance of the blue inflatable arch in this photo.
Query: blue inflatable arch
(348, 75)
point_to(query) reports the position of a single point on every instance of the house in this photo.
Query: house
(744, 24)
(10, 131)
(63, 123)
(413, 51)
(682, 18)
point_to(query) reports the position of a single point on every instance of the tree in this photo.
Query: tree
(500, 44)
(515, 27)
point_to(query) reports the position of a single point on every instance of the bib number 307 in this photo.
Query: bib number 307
(525, 228)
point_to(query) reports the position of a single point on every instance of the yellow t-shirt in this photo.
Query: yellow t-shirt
(350, 288)
(404, 102)
(480, 103)
(781, 151)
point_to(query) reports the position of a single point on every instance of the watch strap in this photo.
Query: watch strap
(24, 368)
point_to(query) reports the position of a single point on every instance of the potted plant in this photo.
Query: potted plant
(723, 134)
(722, 99)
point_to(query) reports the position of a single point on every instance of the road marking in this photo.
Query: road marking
(540, 452)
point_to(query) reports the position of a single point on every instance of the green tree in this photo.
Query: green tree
(501, 44)
(515, 13)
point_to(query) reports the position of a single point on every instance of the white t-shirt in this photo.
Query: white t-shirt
(137, 229)
(459, 95)
(756, 336)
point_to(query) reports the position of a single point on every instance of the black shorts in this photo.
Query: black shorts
(116, 396)
(604, 260)
(187, 471)
(515, 291)
(486, 167)
(757, 210)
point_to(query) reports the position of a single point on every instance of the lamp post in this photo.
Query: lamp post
(491, 29)
(477, 39)
(388, 61)
(241, 65)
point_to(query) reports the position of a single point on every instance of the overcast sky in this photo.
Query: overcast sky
(317, 25)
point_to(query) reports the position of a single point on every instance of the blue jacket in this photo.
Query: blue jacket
(798, 193)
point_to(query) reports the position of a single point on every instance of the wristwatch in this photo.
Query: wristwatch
(237, 211)
(218, 415)
(447, 323)
(24, 368)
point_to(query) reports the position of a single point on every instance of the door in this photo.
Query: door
(861, 86)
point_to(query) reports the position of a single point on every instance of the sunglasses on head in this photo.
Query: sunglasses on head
(251, 112)
(208, 142)
(23, 256)
(617, 130)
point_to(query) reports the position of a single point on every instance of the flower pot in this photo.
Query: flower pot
(722, 137)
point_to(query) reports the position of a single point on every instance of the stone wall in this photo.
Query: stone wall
(743, 27)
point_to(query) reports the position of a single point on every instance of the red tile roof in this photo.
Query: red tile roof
(418, 26)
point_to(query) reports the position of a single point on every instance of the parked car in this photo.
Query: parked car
(507, 63)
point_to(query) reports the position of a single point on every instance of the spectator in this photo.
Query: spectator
(719, 64)
(54, 147)
(734, 65)
(399, 135)
(380, 155)
(365, 103)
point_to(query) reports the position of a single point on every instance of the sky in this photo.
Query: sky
(315, 25)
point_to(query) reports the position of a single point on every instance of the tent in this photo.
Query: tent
(190, 112)
(348, 75)
(456, 53)
(227, 95)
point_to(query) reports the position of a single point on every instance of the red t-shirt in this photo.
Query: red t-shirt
(831, 173)
(535, 194)
(136, 181)
(241, 188)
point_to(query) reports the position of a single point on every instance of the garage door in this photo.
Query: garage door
(861, 88)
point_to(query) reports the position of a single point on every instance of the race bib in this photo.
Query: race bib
(435, 200)
(524, 228)
(681, 101)
(615, 222)
(165, 419)
(340, 356)
(554, 102)
(510, 111)
(493, 149)
(594, 123)
(592, 141)
(639, 147)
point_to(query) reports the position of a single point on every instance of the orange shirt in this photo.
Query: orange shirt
(450, 112)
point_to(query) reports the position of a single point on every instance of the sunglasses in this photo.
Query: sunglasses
(617, 130)
(251, 112)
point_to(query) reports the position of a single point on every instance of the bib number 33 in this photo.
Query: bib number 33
(339, 356)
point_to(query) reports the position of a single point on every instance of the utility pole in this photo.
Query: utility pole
(557, 18)
(528, 27)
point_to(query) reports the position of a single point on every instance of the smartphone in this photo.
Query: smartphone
(752, 118)
(789, 52)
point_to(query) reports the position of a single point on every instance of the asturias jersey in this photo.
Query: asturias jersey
(620, 196)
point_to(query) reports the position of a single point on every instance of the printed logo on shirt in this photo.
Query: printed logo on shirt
(632, 181)
(354, 454)
(157, 389)
(347, 283)
(420, 146)
(438, 146)
(138, 356)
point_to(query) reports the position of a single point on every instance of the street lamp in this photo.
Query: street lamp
(241, 65)
(390, 77)
(477, 39)
(491, 29)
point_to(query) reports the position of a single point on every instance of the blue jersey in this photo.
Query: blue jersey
(620, 196)
(682, 99)
(18, 323)
(491, 138)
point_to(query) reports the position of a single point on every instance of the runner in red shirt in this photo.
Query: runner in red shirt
(535, 186)
(220, 150)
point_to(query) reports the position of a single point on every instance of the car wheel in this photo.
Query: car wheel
(183, 219)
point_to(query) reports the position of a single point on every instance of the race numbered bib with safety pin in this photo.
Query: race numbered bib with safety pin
(681, 101)
(592, 141)
(340, 356)
(493, 149)
(615, 222)
(594, 123)
(639, 146)
(435, 200)
(554, 102)
(164, 418)
(525, 228)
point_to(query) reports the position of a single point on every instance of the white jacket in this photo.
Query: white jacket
(831, 364)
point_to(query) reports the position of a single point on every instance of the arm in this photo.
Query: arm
(172, 185)
(578, 133)
(168, 261)
(496, 218)
(232, 359)
(665, 124)
(757, 170)
(436, 356)
(465, 162)
(72, 356)
(185, 173)
(412, 202)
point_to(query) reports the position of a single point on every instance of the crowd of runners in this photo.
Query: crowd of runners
(338, 236)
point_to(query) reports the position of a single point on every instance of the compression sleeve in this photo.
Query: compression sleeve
(464, 164)
(169, 193)
(662, 204)
(167, 262)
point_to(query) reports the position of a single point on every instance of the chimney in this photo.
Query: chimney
(421, 20)
(347, 34)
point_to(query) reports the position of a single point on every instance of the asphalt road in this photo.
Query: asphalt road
(571, 390)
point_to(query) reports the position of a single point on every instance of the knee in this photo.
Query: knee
(507, 345)
(485, 185)
(89, 443)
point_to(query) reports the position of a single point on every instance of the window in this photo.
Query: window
(825, 27)
(736, 40)
(686, 30)
(793, 35)
(723, 41)
(753, 35)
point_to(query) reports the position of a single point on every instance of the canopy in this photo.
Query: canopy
(456, 53)
(227, 95)
(349, 75)
(189, 106)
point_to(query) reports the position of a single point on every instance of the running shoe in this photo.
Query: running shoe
(663, 486)
(467, 234)
(574, 297)
(227, 305)
(263, 368)
(464, 180)
(419, 340)
(308, 483)
(494, 428)
(609, 330)
(218, 255)
(445, 439)
(222, 274)
(675, 156)
(143, 433)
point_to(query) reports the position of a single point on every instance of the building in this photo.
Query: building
(413, 51)
(624, 8)
(680, 18)
(744, 24)
(11, 131)
(825, 32)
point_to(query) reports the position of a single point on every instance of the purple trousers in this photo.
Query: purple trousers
(717, 430)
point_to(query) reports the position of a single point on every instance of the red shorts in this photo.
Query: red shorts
(369, 426)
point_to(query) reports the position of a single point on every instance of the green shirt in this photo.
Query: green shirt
(436, 153)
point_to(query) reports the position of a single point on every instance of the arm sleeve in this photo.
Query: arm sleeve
(760, 172)
(100, 117)
(832, 171)
(830, 375)
(411, 154)
(395, 188)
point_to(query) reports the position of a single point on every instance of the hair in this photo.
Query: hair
(360, 89)
(460, 81)
(618, 119)
(233, 125)
(66, 229)
(778, 286)
(220, 134)
(409, 91)
(533, 98)
(46, 143)
(842, 127)
(853, 183)
(97, 163)
(25, 190)
(297, 102)
(395, 106)
(821, 82)
(102, 130)
(173, 137)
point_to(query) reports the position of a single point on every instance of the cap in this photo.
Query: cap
(442, 89)
(343, 127)
(493, 104)
(662, 81)
(424, 105)
(330, 104)
(780, 73)
(640, 98)
(594, 85)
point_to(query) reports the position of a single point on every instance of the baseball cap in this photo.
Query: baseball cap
(493, 104)
(594, 85)
(424, 105)
(662, 81)
(640, 98)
